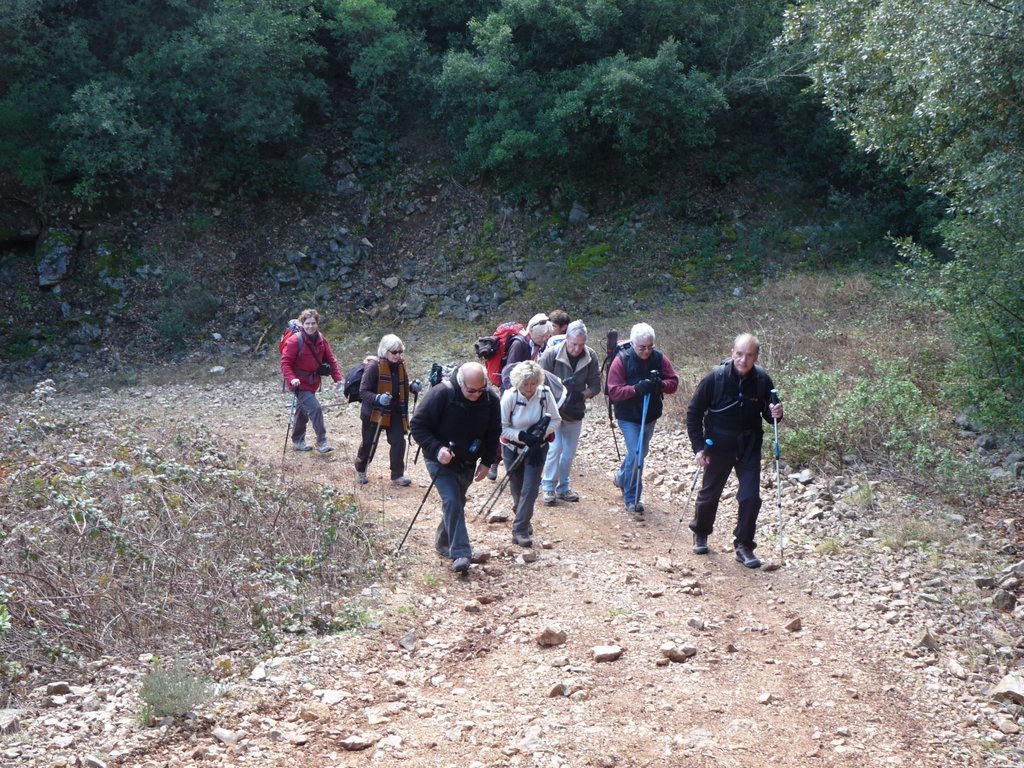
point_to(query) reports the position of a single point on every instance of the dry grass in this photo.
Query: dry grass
(115, 542)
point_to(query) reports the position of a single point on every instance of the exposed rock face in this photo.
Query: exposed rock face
(55, 253)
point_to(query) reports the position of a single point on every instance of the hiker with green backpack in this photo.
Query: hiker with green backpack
(306, 357)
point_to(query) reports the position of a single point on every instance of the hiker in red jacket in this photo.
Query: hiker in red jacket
(305, 357)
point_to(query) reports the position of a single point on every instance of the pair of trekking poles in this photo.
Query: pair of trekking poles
(539, 429)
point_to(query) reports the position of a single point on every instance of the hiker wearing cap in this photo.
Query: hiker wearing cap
(384, 392)
(535, 333)
(529, 417)
(576, 365)
(457, 425)
(638, 378)
(305, 358)
(729, 407)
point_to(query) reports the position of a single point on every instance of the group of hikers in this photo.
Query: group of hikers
(526, 409)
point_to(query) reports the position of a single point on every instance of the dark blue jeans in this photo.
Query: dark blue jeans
(748, 472)
(452, 536)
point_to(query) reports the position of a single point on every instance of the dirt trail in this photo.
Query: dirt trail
(455, 675)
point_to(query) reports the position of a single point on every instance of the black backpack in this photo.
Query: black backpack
(763, 390)
(352, 381)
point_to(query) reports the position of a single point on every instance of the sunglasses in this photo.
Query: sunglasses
(474, 390)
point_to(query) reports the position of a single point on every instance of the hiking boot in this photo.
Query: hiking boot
(361, 478)
(700, 544)
(302, 446)
(522, 541)
(460, 565)
(550, 497)
(401, 482)
(492, 473)
(324, 447)
(569, 496)
(745, 555)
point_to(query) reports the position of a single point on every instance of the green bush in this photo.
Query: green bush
(879, 416)
(173, 693)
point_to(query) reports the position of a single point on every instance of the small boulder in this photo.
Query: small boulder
(551, 637)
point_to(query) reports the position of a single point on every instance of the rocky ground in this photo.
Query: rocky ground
(872, 639)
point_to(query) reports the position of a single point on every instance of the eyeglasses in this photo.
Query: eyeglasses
(643, 347)
(474, 390)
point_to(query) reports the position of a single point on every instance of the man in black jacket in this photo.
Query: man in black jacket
(730, 406)
(457, 425)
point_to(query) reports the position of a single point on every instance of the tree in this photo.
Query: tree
(936, 88)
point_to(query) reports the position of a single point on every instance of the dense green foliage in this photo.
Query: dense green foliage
(123, 97)
(936, 89)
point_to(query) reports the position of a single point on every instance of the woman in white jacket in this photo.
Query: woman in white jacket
(529, 418)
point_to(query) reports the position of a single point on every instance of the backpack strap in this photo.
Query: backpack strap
(718, 391)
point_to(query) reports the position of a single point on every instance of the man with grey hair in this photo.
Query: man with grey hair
(729, 407)
(638, 379)
(579, 370)
(458, 426)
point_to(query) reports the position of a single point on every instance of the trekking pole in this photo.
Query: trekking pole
(500, 487)
(415, 389)
(376, 438)
(773, 399)
(696, 477)
(413, 522)
(637, 467)
(611, 348)
(291, 421)
(430, 487)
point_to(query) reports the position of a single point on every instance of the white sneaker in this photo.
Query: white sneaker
(550, 497)
(324, 447)
(361, 478)
(401, 482)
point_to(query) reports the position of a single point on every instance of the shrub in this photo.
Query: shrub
(173, 693)
(879, 416)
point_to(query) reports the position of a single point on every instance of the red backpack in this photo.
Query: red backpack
(294, 327)
(494, 349)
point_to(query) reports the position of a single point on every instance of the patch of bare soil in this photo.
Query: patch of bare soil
(777, 671)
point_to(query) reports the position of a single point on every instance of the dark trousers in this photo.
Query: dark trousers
(451, 538)
(524, 483)
(396, 439)
(308, 411)
(748, 472)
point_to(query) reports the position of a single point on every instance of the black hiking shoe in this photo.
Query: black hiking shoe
(700, 544)
(745, 555)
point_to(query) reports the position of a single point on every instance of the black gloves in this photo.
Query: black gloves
(644, 387)
(529, 439)
(416, 386)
